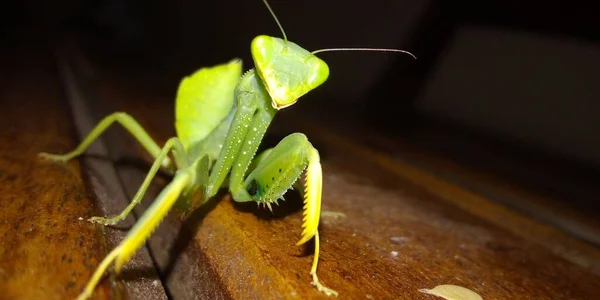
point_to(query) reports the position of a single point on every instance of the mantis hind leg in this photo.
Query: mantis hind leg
(142, 228)
(126, 121)
(276, 171)
(139, 195)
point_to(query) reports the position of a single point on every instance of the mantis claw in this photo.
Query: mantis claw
(313, 272)
(327, 291)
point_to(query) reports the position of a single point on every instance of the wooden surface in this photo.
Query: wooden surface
(45, 251)
(559, 211)
(400, 233)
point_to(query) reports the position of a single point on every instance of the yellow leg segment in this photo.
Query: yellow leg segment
(142, 229)
(89, 288)
(313, 271)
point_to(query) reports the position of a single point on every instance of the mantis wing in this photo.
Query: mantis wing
(211, 145)
(203, 100)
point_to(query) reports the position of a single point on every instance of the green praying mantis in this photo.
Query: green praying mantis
(221, 118)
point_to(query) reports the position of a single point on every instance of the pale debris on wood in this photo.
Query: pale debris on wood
(452, 292)
(333, 214)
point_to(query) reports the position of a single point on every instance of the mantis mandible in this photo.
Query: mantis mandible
(221, 118)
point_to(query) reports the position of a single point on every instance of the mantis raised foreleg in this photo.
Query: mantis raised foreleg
(221, 118)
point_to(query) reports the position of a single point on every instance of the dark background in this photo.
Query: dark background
(524, 70)
(510, 78)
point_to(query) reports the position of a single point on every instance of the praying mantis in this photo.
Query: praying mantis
(222, 116)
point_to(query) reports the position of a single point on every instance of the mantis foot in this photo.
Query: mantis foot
(105, 221)
(54, 157)
(321, 287)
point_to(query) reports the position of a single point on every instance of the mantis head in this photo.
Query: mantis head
(288, 70)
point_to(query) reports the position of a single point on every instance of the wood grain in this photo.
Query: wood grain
(46, 252)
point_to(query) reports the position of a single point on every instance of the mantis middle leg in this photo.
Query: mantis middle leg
(139, 195)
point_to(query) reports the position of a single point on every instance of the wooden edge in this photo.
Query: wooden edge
(103, 179)
(516, 198)
(184, 272)
(570, 248)
(497, 187)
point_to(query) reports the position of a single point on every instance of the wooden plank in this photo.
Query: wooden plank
(110, 196)
(399, 234)
(428, 157)
(554, 191)
(480, 202)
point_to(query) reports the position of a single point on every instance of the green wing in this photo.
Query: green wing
(204, 99)
(211, 145)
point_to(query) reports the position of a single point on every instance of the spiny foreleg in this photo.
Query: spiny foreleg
(276, 172)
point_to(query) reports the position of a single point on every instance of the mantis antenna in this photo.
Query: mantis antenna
(276, 20)
(364, 49)
(334, 49)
